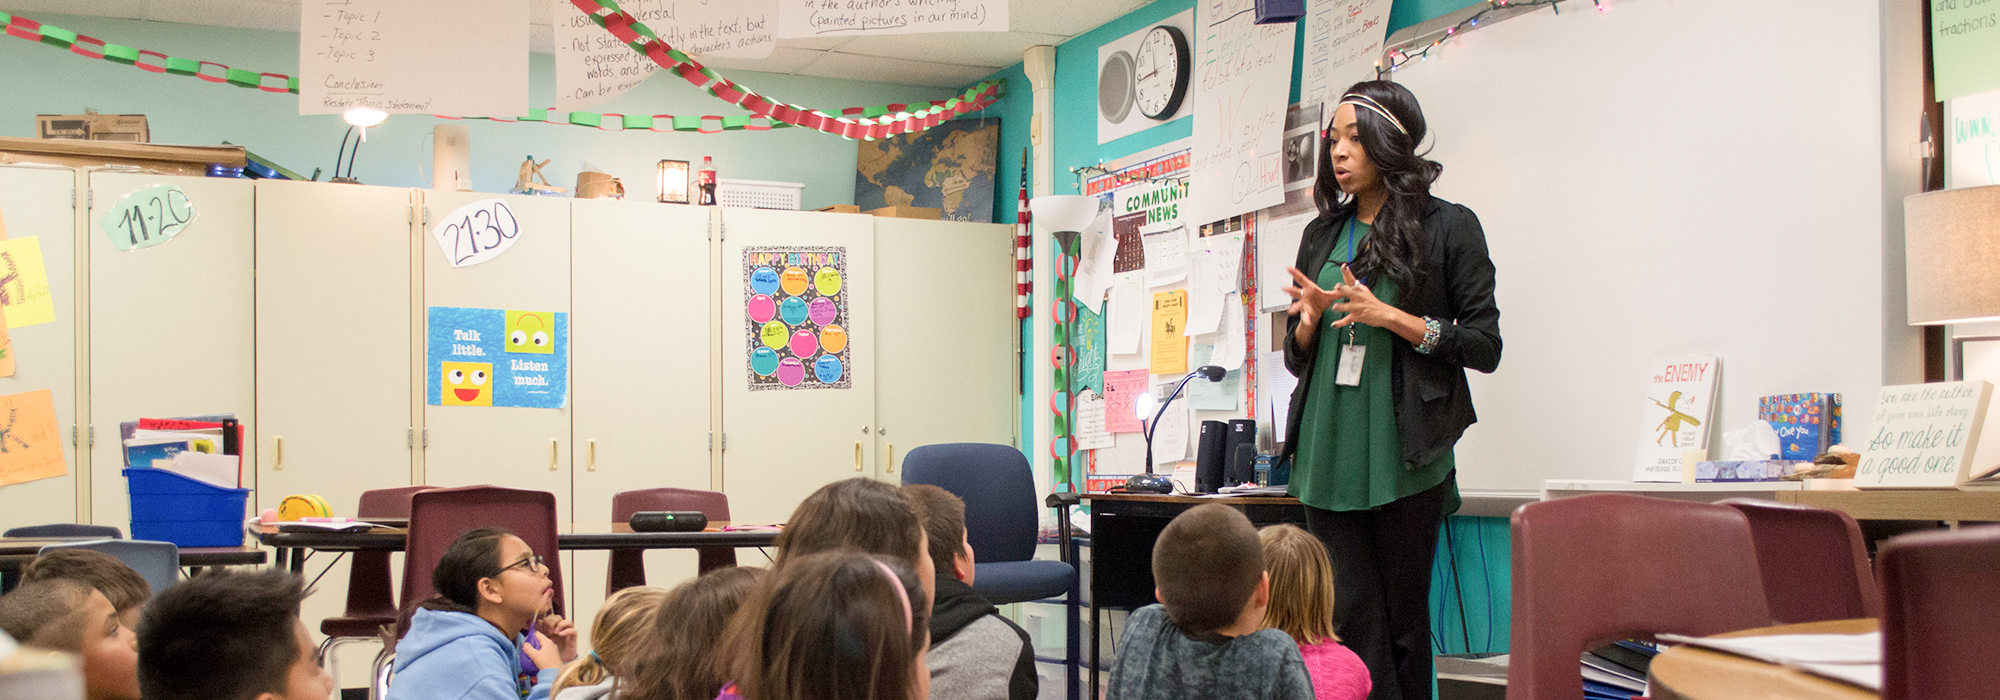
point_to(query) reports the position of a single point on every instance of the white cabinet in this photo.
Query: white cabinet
(333, 341)
(782, 443)
(36, 202)
(171, 329)
(523, 448)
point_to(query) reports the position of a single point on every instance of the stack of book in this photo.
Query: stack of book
(1617, 671)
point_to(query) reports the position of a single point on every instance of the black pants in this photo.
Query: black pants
(1382, 586)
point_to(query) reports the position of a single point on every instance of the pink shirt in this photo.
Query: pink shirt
(1337, 674)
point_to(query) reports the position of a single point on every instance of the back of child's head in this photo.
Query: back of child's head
(125, 588)
(623, 627)
(681, 661)
(221, 636)
(46, 613)
(944, 524)
(857, 513)
(1207, 564)
(840, 625)
(471, 556)
(1301, 584)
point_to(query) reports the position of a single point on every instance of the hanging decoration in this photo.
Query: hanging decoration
(1402, 53)
(872, 122)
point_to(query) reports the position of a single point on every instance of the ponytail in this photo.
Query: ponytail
(471, 557)
(622, 630)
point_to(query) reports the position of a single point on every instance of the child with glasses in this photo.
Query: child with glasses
(466, 642)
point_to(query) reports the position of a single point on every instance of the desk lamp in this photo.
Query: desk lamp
(1952, 243)
(1150, 482)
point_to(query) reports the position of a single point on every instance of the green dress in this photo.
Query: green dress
(1349, 457)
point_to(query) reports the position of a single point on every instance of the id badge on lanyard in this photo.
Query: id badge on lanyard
(1352, 356)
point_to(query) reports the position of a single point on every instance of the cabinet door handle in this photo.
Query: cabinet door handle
(278, 445)
(891, 460)
(552, 454)
(591, 454)
(857, 455)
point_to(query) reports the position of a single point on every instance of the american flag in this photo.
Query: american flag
(1024, 251)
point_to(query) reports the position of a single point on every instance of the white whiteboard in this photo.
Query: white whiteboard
(1667, 178)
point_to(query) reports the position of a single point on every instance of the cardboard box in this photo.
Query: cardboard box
(157, 159)
(127, 128)
(908, 212)
(840, 209)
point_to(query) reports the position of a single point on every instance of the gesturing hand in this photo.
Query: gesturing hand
(1361, 305)
(1308, 299)
(563, 632)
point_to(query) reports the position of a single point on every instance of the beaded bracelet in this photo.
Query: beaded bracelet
(1432, 331)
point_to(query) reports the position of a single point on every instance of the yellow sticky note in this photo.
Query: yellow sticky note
(24, 283)
(30, 448)
(530, 332)
(1169, 322)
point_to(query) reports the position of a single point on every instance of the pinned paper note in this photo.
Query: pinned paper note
(1230, 345)
(30, 444)
(1086, 343)
(1126, 315)
(1204, 395)
(1169, 345)
(24, 283)
(477, 232)
(1166, 254)
(148, 217)
(1121, 391)
(1278, 249)
(1091, 432)
(1170, 435)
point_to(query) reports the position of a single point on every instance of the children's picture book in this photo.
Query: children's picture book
(1923, 435)
(1807, 424)
(1676, 413)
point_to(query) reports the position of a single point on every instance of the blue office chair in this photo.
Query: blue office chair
(1000, 517)
(157, 562)
(10, 579)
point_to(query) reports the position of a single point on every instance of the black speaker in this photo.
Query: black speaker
(1209, 457)
(669, 521)
(1242, 464)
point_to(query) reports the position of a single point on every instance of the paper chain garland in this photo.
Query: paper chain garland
(894, 119)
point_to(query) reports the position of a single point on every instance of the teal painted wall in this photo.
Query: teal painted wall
(42, 79)
(1404, 13)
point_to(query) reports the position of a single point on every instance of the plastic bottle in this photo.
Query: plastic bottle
(705, 182)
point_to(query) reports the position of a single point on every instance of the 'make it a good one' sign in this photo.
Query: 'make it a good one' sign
(1924, 435)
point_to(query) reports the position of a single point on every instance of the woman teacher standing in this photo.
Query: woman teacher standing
(1393, 300)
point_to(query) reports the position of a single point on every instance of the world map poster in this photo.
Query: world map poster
(949, 168)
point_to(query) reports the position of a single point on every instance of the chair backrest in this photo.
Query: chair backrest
(1599, 568)
(157, 562)
(106, 532)
(1001, 515)
(438, 516)
(713, 504)
(388, 503)
(1939, 613)
(1813, 561)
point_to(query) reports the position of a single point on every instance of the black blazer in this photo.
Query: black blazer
(1455, 286)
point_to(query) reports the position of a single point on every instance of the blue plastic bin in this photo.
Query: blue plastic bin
(169, 507)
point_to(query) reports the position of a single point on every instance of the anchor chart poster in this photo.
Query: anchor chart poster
(795, 319)
(495, 357)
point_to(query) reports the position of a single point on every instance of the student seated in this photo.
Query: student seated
(975, 653)
(862, 514)
(65, 615)
(624, 626)
(840, 625)
(467, 641)
(1206, 637)
(682, 662)
(230, 636)
(1302, 607)
(126, 589)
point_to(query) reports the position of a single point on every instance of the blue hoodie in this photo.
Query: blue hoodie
(461, 656)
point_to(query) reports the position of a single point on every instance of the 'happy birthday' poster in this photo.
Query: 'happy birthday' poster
(796, 319)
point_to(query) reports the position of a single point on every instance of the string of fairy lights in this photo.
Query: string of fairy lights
(1402, 54)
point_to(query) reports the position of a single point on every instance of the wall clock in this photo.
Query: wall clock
(1160, 72)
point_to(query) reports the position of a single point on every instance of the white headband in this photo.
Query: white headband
(1362, 101)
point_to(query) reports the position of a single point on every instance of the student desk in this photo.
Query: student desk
(293, 546)
(1693, 673)
(16, 552)
(1122, 529)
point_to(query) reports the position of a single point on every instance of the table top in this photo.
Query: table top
(1904, 504)
(573, 536)
(18, 551)
(1694, 673)
(1184, 498)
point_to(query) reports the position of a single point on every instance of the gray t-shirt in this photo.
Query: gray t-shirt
(1160, 662)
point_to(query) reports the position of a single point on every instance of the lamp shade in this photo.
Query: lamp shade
(1952, 243)
(1064, 212)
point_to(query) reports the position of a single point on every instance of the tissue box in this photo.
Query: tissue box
(1744, 470)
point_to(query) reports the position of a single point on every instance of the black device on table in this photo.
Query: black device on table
(668, 521)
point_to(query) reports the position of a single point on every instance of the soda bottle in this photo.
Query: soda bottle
(705, 182)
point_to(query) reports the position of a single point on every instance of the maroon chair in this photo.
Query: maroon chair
(1813, 560)
(628, 567)
(371, 604)
(438, 516)
(1596, 569)
(1940, 614)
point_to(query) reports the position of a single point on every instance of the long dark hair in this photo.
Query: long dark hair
(682, 662)
(472, 556)
(1396, 251)
(830, 626)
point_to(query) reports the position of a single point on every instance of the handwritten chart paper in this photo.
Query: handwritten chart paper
(1242, 76)
(593, 67)
(1169, 345)
(30, 445)
(405, 57)
(809, 18)
(1343, 41)
(24, 283)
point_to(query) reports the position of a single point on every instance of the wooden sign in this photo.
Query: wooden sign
(1923, 435)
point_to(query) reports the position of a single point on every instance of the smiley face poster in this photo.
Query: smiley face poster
(795, 319)
(494, 357)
